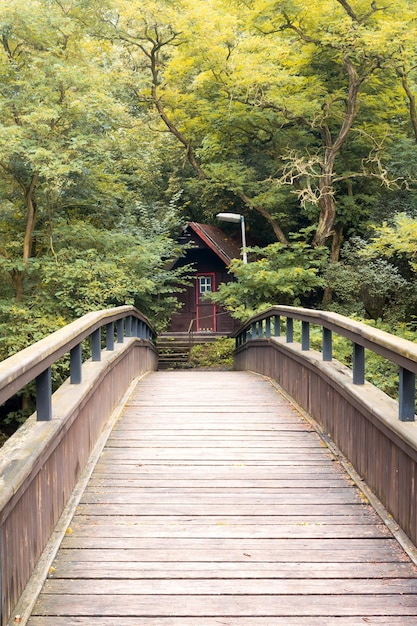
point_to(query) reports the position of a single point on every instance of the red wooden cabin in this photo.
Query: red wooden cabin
(210, 254)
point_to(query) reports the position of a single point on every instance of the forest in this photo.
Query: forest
(122, 119)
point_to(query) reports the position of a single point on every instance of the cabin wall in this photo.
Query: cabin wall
(204, 261)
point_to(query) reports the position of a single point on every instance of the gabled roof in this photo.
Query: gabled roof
(225, 248)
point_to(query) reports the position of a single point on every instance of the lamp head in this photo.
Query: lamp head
(229, 217)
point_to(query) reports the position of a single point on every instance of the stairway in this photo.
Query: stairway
(174, 348)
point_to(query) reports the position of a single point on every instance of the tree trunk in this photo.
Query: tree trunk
(331, 150)
(411, 99)
(31, 218)
(337, 242)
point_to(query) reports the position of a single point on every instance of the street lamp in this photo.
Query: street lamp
(235, 218)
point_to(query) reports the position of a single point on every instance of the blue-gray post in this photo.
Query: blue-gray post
(268, 327)
(305, 336)
(129, 326)
(141, 330)
(358, 360)
(96, 345)
(44, 396)
(253, 330)
(110, 336)
(407, 393)
(289, 330)
(277, 325)
(134, 326)
(76, 364)
(327, 350)
(120, 330)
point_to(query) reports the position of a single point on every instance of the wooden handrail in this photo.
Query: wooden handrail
(400, 351)
(34, 362)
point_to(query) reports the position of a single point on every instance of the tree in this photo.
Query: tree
(269, 99)
(72, 173)
(285, 273)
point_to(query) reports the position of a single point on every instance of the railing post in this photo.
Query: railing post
(327, 349)
(305, 336)
(277, 325)
(134, 326)
(120, 330)
(129, 326)
(289, 331)
(407, 392)
(96, 345)
(44, 396)
(358, 361)
(110, 336)
(76, 364)
(268, 327)
(253, 330)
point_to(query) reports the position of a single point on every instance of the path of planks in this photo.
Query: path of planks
(215, 502)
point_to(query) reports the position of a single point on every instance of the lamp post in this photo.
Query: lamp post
(235, 218)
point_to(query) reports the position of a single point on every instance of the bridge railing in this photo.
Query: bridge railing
(42, 461)
(395, 349)
(377, 434)
(34, 362)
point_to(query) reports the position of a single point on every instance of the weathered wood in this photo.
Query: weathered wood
(215, 621)
(324, 605)
(268, 586)
(228, 571)
(192, 518)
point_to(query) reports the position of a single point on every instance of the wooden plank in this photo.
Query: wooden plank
(226, 605)
(259, 586)
(241, 546)
(341, 555)
(358, 516)
(126, 570)
(216, 621)
(132, 482)
(177, 497)
(222, 509)
(227, 530)
(229, 513)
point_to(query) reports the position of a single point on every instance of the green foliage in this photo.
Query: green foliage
(215, 354)
(367, 286)
(280, 274)
(396, 241)
(378, 370)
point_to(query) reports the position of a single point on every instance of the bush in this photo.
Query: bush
(216, 354)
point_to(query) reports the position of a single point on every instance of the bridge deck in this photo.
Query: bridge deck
(215, 502)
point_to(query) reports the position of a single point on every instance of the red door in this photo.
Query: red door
(205, 310)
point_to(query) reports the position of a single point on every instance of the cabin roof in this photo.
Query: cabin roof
(225, 248)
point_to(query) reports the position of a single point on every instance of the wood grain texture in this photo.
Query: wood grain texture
(213, 503)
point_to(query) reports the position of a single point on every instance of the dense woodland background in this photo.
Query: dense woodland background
(122, 119)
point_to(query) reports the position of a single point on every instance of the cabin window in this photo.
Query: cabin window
(204, 284)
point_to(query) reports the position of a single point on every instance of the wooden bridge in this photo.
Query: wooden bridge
(202, 498)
